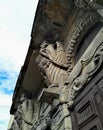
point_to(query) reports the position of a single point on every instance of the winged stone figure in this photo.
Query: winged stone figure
(53, 63)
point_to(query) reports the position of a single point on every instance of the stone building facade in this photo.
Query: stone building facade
(60, 85)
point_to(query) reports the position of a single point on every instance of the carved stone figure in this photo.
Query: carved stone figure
(25, 115)
(53, 62)
(88, 69)
(17, 123)
(53, 65)
(43, 123)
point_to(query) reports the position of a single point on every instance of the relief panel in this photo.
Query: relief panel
(95, 125)
(88, 113)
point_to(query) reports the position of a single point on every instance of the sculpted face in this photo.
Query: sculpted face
(48, 50)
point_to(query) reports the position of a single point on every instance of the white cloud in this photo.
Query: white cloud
(4, 117)
(4, 13)
(5, 103)
(12, 49)
(16, 18)
(15, 28)
(5, 100)
(8, 83)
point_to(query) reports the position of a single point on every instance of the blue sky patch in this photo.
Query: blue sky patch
(7, 91)
(15, 24)
(3, 75)
(7, 81)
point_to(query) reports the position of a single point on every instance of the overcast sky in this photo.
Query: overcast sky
(16, 19)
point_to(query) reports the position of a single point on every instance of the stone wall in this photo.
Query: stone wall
(67, 51)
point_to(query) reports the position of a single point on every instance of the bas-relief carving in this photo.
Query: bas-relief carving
(28, 114)
(83, 25)
(88, 4)
(54, 121)
(53, 65)
(25, 115)
(61, 118)
(87, 18)
(42, 123)
(49, 64)
(88, 68)
(54, 62)
(17, 123)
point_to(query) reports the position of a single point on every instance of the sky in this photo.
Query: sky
(16, 19)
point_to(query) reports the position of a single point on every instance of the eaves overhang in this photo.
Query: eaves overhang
(49, 21)
(50, 24)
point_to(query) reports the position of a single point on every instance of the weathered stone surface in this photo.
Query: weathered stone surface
(64, 72)
(52, 16)
(85, 69)
(53, 66)
(53, 63)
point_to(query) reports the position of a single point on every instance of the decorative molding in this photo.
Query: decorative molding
(81, 3)
(61, 117)
(86, 112)
(88, 5)
(87, 68)
(42, 123)
(84, 24)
